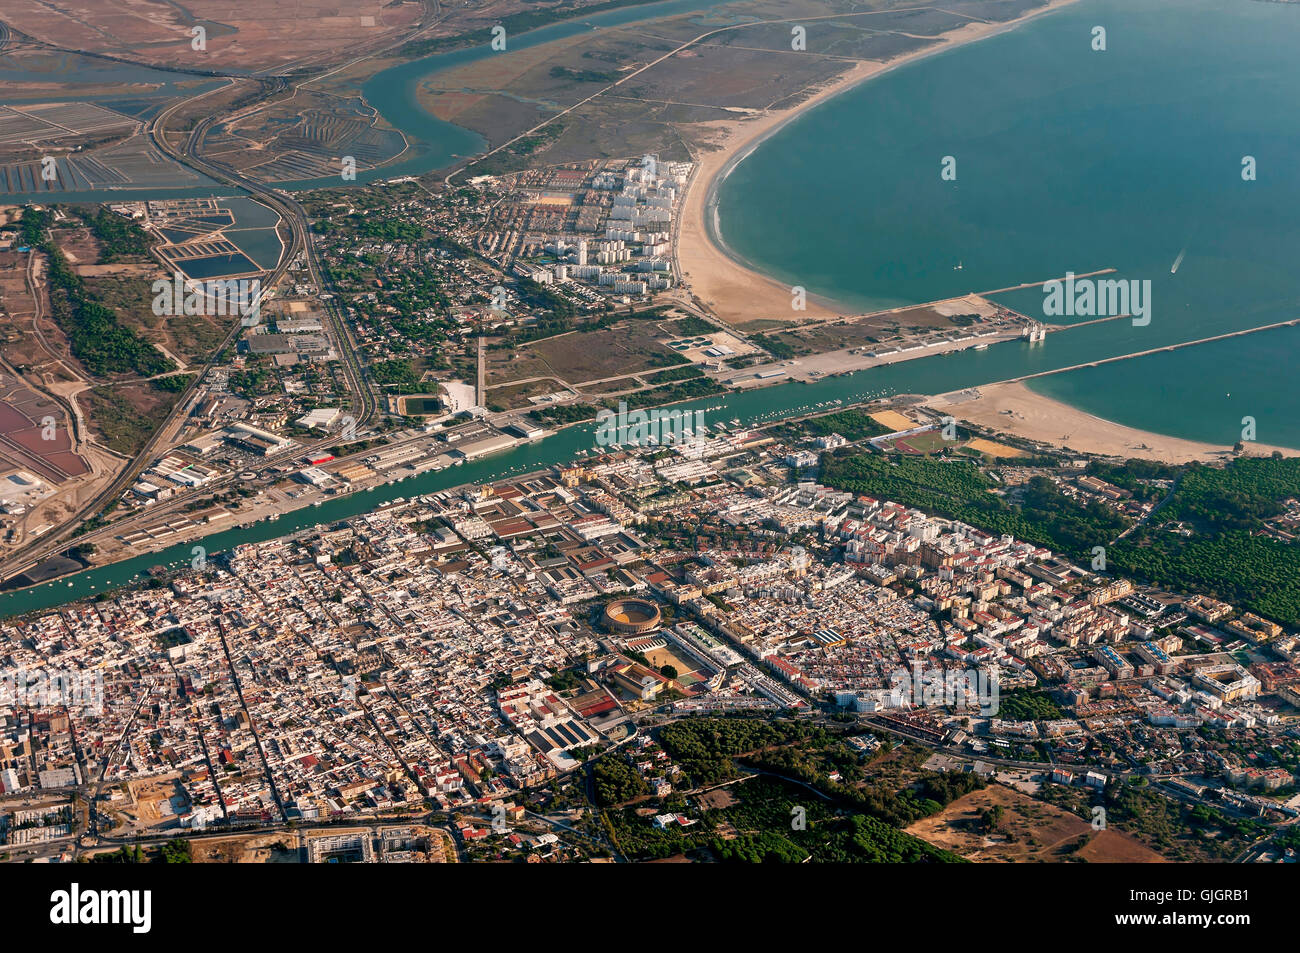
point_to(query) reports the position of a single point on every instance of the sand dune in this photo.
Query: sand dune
(1015, 409)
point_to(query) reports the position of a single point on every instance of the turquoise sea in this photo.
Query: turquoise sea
(1068, 159)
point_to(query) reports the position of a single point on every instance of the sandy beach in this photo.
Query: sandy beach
(739, 295)
(1015, 409)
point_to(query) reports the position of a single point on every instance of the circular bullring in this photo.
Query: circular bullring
(632, 616)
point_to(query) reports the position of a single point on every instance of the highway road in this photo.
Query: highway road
(362, 406)
(363, 403)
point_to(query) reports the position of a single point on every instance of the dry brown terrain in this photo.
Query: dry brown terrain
(37, 374)
(245, 34)
(581, 356)
(247, 849)
(146, 795)
(1031, 831)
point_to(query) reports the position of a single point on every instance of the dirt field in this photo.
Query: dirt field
(661, 657)
(146, 795)
(894, 420)
(510, 396)
(1030, 831)
(254, 34)
(717, 800)
(583, 356)
(248, 849)
(994, 449)
(895, 327)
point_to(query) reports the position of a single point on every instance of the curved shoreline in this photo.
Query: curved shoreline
(735, 290)
(1015, 408)
(710, 225)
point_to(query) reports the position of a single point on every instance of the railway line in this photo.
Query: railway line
(362, 404)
